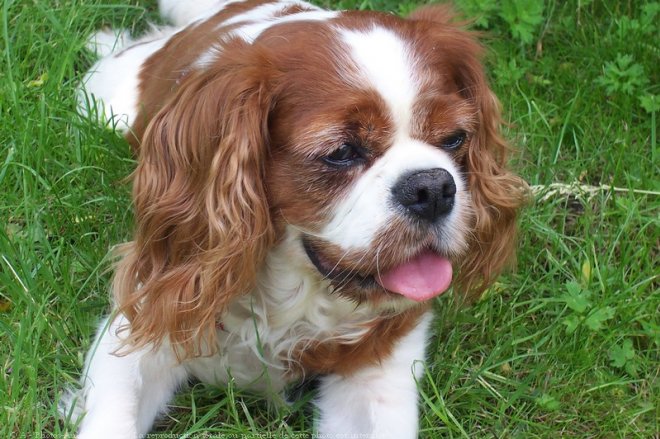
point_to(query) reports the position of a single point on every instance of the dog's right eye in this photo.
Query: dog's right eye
(345, 156)
(453, 142)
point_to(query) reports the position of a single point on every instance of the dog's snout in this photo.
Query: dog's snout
(427, 194)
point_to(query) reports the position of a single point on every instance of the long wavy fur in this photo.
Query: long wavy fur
(203, 225)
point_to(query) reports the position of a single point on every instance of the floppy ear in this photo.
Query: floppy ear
(496, 192)
(497, 195)
(203, 225)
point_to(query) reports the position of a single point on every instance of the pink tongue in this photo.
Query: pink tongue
(426, 276)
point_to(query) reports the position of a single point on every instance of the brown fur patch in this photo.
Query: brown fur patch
(167, 69)
(347, 358)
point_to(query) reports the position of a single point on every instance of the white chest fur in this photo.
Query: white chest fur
(289, 307)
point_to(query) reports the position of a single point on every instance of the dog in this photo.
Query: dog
(307, 182)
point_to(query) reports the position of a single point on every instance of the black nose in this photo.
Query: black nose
(427, 194)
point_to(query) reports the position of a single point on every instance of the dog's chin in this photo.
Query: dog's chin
(417, 277)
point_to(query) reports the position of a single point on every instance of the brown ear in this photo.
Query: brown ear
(497, 195)
(203, 225)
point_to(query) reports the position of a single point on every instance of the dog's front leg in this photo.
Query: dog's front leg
(378, 402)
(123, 393)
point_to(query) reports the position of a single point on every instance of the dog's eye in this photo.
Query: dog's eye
(345, 155)
(454, 141)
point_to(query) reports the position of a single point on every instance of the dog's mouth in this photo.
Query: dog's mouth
(425, 275)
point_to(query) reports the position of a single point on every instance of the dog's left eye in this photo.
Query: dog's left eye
(454, 141)
(345, 155)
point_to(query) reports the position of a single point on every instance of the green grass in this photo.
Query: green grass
(567, 345)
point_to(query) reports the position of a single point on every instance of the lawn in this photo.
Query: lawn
(567, 344)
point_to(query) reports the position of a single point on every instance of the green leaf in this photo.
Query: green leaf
(650, 103)
(523, 17)
(482, 11)
(511, 71)
(571, 322)
(596, 319)
(648, 19)
(652, 331)
(631, 368)
(575, 298)
(623, 75)
(548, 402)
(620, 355)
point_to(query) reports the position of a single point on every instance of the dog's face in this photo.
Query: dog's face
(368, 158)
(373, 138)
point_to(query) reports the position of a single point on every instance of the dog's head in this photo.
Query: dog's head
(372, 140)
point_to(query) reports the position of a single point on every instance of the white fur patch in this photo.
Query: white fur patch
(110, 89)
(378, 401)
(182, 12)
(262, 13)
(258, 20)
(386, 65)
(289, 307)
(122, 395)
(252, 31)
(108, 41)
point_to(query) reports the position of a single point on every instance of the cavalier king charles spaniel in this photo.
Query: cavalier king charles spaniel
(307, 182)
